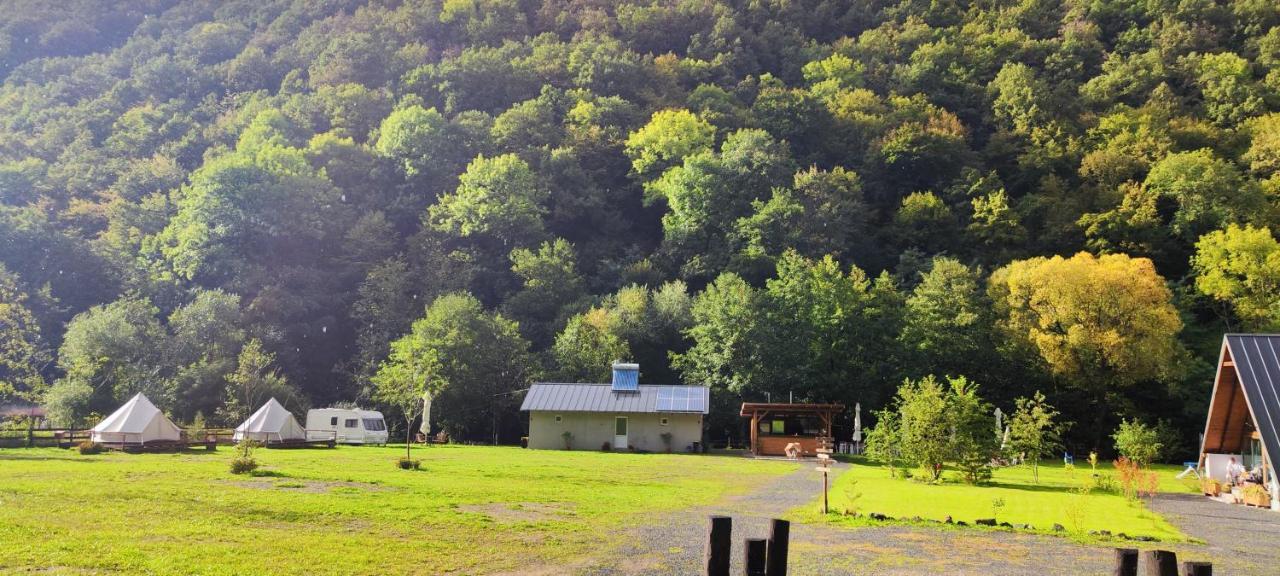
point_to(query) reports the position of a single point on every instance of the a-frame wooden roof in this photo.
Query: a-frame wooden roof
(1246, 389)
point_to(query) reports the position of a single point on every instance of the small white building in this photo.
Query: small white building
(137, 423)
(271, 424)
(350, 425)
(621, 415)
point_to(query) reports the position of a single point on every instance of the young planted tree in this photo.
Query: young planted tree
(1034, 431)
(925, 435)
(969, 418)
(884, 440)
(410, 374)
(1137, 442)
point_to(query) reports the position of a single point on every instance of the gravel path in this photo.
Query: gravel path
(1238, 539)
(672, 543)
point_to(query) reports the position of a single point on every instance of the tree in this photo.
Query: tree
(973, 446)
(1034, 431)
(408, 377)
(255, 380)
(1208, 192)
(668, 138)
(1102, 324)
(483, 360)
(205, 337)
(587, 348)
(415, 138)
(884, 440)
(1138, 442)
(22, 353)
(1241, 266)
(947, 320)
(115, 351)
(551, 283)
(498, 198)
(923, 425)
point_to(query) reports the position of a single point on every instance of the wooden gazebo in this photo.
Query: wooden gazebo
(774, 425)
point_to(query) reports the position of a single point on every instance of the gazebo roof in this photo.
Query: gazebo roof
(1246, 389)
(788, 408)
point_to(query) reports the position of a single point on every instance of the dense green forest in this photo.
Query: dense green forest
(214, 201)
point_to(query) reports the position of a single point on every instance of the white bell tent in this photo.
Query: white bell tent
(271, 424)
(137, 422)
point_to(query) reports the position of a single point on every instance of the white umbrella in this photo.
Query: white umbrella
(999, 421)
(857, 422)
(426, 415)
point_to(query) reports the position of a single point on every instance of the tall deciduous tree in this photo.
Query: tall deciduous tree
(255, 380)
(1102, 324)
(1241, 266)
(22, 353)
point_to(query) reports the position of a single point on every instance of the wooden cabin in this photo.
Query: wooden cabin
(774, 425)
(1244, 410)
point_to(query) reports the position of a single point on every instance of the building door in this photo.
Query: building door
(620, 433)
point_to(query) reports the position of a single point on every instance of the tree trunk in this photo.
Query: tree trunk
(408, 430)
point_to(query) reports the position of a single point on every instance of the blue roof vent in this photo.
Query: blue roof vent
(626, 377)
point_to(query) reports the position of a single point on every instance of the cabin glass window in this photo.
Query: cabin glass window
(374, 424)
(333, 421)
(351, 423)
(778, 427)
(663, 421)
(559, 418)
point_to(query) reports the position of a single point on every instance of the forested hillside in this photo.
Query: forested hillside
(215, 201)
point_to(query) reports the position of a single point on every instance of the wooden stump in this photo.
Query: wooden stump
(1197, 569)
(1159, 563)
(1126, 562)
(753, 560)
(776, 558)
(719, 543)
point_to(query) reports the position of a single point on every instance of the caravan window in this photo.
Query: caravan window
(374, 424)
(333, 421)
(350, 423)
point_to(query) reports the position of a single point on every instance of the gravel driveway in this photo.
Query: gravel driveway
(1238, 540)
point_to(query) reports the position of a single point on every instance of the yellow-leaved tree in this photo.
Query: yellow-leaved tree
(1099, 324)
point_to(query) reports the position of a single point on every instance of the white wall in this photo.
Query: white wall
(1215, 465)
(592, 429)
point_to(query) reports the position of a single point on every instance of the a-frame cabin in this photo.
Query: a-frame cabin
(1244, 409)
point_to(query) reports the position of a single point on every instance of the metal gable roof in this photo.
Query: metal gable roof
(1257, 364)
(560, 397)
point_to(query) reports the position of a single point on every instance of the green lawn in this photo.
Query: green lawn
(342, 511)
(1052, 501)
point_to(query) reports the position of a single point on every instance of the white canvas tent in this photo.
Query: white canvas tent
(271, 423)
(137, 422)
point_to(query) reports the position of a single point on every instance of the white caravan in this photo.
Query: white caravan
(352, 426)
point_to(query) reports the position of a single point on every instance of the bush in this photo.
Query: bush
(244, 462)
(89, 447)
(1137, 442)
(243, 465)
(606, 446)
(568, 439)
(408, 463)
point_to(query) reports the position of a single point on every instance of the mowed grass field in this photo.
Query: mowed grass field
(1056, 499)
(470, 510)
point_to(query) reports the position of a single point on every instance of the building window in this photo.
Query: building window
(558, 418)
(663, 421)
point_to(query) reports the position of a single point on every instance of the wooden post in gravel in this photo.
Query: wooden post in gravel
(776, 558)
(719, 545)
(753, 556)
(1126, 562)
(1159, 563)
(1197, 569)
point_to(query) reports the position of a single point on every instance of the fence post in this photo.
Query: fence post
(776, 558)
(719, 544)
(1126, 563)
(1159, 563)
(753, 556)
(1197, 569)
